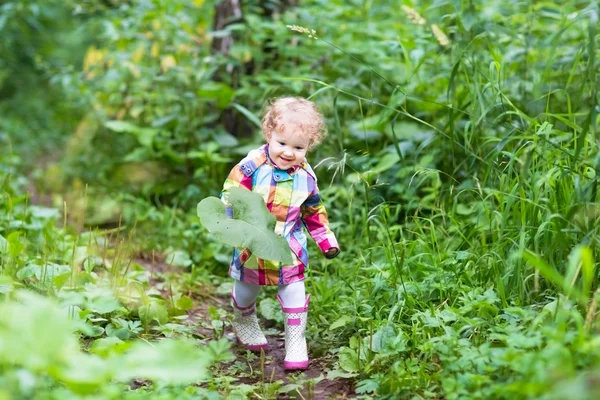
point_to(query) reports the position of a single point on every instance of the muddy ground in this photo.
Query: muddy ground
(251, 369)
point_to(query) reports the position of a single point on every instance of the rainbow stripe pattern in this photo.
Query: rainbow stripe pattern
(292, 196)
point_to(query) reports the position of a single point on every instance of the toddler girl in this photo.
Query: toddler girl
(278, 171)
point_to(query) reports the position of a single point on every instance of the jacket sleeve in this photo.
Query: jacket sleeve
(314, 217)
(236, 178)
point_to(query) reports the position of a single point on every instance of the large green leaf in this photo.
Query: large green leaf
(270, 309)
(251, 226)
(3, 245)
(154, 311)
(144, 135)
(35, 333)
(167, 362)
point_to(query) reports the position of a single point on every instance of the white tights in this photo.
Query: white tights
(292, 295)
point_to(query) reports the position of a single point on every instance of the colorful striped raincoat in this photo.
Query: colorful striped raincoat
(292, 196)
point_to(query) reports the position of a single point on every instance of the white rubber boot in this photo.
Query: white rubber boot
(245, 326)
(296, 354)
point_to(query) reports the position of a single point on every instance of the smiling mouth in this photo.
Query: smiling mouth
(285, 159)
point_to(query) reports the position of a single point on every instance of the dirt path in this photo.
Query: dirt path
(270, 368)
(264, 374)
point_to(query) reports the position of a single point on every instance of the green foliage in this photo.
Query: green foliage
(91, 301)
(155, 104)
(42, 43)
(251, 227)
(37, 337)
(153, 312)
(463, 162)
(270, 309)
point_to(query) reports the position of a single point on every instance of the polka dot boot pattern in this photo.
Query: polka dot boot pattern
(296, 354)
(245, 326)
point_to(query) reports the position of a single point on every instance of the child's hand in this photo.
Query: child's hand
(332, 252)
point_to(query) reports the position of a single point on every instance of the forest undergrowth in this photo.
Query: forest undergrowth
(460, 176)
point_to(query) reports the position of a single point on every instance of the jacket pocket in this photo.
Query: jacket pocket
(297, 243)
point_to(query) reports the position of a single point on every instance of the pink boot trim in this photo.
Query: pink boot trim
(235, 304)
(252, 347)
(296, 354)
(246, 312)
(294, 309)
(295, 365)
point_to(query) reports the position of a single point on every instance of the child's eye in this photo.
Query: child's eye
(298, 148)
(281, 143)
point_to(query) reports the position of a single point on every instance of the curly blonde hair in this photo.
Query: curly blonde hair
(298, 112)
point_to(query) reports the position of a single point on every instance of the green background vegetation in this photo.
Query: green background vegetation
(460, 174)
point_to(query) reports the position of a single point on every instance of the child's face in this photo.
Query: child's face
(287, 148)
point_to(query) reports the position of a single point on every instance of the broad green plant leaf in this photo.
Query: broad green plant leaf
(153, 312)
(121, 126)
(14, 244)
(348, 359)
(270, 309)
(552, 275)
(248, 114)
(342, 321)
(251, 226)
(7, 285)
(337, 373)
(383, 338)
(109, 345)
(178, 258)
(91, 330)
(35, 333)
(44, 212)
(144, 135)
(218, 91)
(185, 303)
(3, 245)
(121, 333)
(219, 350)
(42, 276)
(167, 362)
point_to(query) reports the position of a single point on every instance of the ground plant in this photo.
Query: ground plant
(460, 170)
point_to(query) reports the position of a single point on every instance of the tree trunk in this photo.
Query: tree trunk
(226, 13)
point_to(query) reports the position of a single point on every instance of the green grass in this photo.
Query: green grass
(461, 180)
